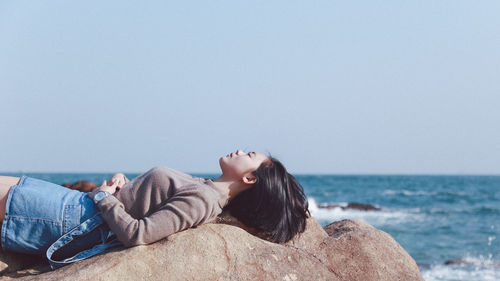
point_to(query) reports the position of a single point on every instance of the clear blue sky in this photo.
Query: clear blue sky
(382, 87)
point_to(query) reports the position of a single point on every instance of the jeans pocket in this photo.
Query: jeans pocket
(71, 217)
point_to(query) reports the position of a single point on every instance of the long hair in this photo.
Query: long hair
(275, 204)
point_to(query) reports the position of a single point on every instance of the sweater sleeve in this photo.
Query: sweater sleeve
(185, 209)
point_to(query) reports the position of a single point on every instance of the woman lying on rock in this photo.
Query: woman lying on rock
(66, 225)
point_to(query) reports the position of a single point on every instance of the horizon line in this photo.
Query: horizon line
(295, 174)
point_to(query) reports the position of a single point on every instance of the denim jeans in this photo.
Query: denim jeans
(61, 224)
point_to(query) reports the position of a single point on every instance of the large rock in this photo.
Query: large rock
(347, 250)
(357, 251)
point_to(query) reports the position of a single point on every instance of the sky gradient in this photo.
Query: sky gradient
(342, 87)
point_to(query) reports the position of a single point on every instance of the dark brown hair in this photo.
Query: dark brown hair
(275, 204)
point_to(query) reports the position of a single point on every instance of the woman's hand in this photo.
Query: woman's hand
(119, 178)
(109, 187)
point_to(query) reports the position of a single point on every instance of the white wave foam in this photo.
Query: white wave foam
(481, 261)
(375, 218)
(474, 268)
(453, 273)
(490, 239)
(421, 192)
(409, 192)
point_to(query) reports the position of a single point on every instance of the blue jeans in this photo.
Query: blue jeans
(43, 218)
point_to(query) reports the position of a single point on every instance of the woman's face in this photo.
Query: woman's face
(238, 164)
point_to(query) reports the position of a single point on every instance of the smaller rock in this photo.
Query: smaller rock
(83, 186)
(361, 206)
(468, 263)
(351, 205)
(457, 261)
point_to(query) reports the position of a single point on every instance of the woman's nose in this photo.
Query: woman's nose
(239, 151)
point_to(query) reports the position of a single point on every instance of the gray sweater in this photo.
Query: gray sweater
(158, 203)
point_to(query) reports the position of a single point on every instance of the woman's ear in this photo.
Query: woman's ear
(249, 179)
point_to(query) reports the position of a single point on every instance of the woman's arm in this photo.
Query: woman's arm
(185, 209)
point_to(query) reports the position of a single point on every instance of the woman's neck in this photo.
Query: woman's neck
(229, 187)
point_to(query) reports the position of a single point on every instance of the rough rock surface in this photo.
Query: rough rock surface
(357, 251)
(347, 250)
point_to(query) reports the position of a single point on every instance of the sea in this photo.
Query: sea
(435, 218)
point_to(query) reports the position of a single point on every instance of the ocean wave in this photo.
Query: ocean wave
(464, 210)
(409, 192)
(481, 261)
(375, 218)
(473, 268)
(406, 192)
